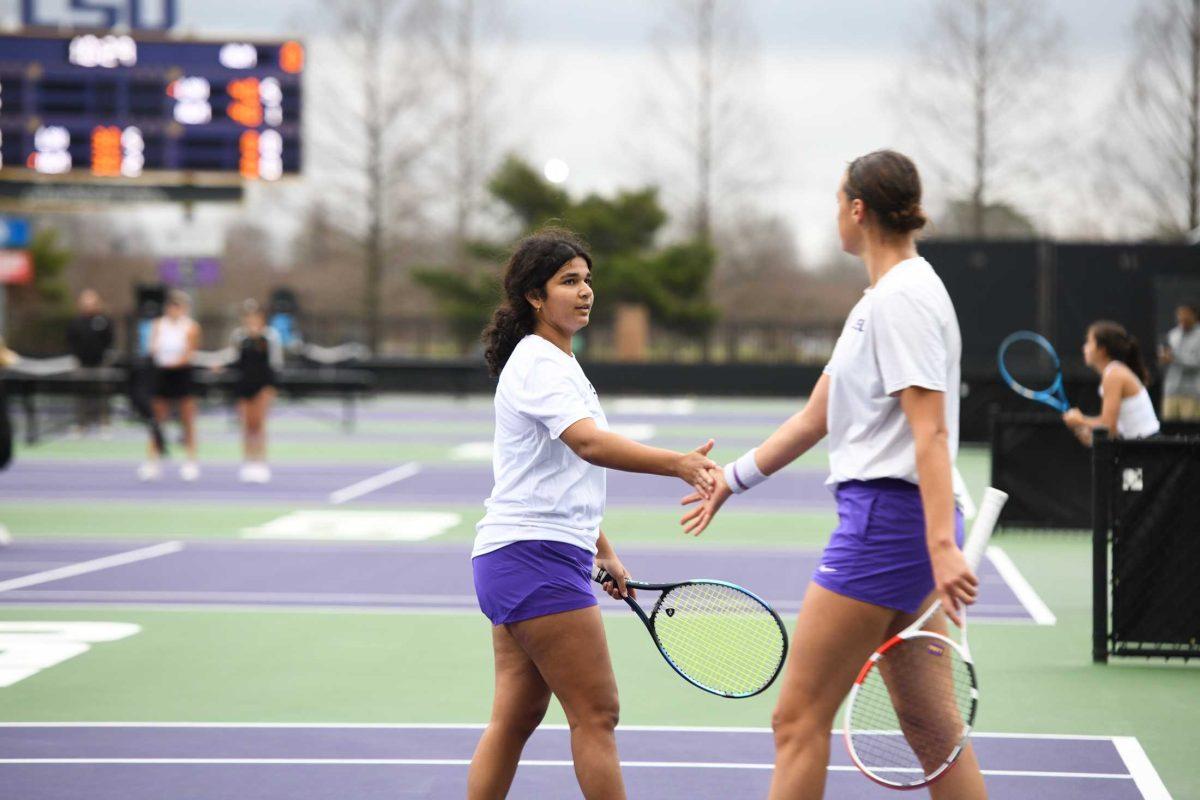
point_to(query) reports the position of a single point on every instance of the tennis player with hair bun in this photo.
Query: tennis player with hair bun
(888, 402)
(536, 547)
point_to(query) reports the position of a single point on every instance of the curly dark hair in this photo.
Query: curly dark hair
(534, 261)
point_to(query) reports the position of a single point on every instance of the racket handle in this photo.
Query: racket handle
(985, 523)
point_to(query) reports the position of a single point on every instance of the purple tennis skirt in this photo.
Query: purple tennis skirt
(877, 553)
(531, 579)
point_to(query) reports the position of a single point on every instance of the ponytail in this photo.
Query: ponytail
(1121, 346)
(508, 327)
(533, 262)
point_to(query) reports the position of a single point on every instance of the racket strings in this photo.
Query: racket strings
(1030, 365)
(911, 711)
(720, 637)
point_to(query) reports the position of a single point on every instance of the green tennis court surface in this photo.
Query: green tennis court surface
(318, 636)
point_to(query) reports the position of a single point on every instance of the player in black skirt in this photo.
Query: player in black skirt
(257, 354)
(174, 338)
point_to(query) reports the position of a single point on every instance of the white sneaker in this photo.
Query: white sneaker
(189, 471)
(149, 471)
(246, 472)
(262, 473)
(5, 536)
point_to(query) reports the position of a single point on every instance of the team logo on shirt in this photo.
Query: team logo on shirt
(860, 324)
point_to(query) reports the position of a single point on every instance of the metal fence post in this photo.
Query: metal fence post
(1102, 458)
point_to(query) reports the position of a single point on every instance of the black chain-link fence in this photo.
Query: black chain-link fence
(1045, 470)
(1146, 547)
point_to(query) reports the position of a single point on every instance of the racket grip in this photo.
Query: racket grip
(600, 575)
(985, 523)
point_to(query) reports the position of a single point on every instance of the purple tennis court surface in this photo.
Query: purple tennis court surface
(382, 576)
(450, 483)
(115, 761)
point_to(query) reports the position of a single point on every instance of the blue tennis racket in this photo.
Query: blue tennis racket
(1021, 365)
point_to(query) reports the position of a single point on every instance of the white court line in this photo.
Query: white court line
(256, 602)
(28, 602)
(369, 485)
(122, 600)
(1142, 771)
(478, 726)
(265, 597)
(1138, 763)
(1028, 596)
(95, 565)
(463, 762)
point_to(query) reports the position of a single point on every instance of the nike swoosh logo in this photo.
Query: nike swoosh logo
(824, 568)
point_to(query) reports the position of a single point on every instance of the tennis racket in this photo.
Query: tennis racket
(718, 636)
(913, 704)
(1018, 361)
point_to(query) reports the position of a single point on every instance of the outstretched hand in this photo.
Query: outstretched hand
(698, 470)
(697, 519)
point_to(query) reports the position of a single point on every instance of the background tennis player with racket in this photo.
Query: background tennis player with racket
(535, 548)
(1126, 411)
(888, 402)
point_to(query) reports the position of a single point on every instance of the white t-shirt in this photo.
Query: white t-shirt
(542, 489)
(170, 341)
(902, 333)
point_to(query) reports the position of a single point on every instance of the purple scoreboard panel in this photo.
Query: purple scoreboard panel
(99, 106)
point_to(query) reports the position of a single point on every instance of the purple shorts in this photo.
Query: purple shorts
(877, 553)
(531, 579)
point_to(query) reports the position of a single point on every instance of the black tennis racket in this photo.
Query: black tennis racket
(718, 636)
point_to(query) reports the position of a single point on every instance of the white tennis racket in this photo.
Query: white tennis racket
(913, 704)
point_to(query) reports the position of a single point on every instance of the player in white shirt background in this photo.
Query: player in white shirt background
(888, 404)
(536, 547)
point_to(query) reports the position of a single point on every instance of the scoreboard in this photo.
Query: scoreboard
(101, 107)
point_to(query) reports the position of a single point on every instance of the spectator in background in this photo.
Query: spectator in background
(7, 359)
(1180, 357)
(90, 338)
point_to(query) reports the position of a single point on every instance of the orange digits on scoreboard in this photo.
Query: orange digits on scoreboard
(246, 108)
(291, 57)
(248, 148)
(106, 151)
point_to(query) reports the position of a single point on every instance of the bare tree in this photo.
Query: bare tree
(1155, 149)
(471, 73)
(986, 69)
(711, 124)
(374, 129)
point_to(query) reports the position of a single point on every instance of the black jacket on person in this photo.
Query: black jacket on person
(90, 336)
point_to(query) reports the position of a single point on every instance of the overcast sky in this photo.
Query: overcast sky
(823, 74)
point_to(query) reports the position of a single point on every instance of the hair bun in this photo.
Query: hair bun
(907, 219)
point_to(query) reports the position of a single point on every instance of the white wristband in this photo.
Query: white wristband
(744, 473)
